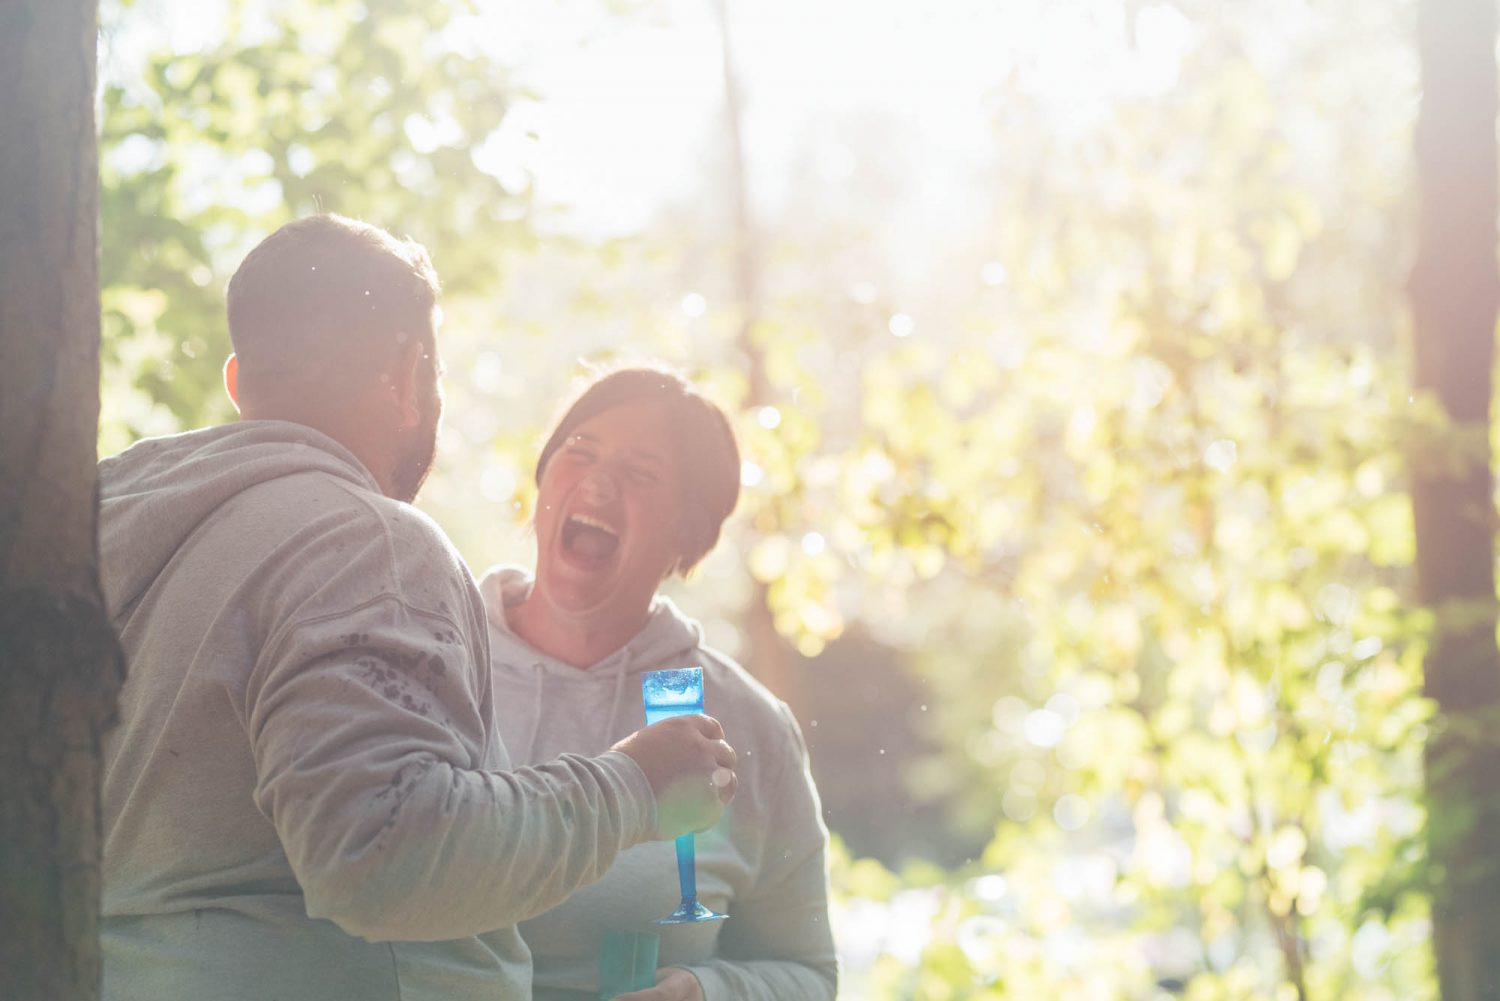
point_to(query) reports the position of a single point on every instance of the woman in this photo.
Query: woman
(634, 484)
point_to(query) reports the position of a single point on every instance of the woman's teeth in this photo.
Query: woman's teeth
(589, 538)
(589, 522)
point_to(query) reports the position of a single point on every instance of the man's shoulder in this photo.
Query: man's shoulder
(315, 493)
(327, 538)
(376, 525)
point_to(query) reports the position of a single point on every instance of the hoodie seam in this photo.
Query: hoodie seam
(274, 644)
(395, 970)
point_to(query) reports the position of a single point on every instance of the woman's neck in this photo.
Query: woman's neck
(579, 641)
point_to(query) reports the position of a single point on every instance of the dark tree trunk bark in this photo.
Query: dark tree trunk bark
(60, 665)
(1454, 294)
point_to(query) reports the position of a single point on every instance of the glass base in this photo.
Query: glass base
(689, 913)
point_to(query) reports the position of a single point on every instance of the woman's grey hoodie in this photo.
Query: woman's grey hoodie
(763, 863)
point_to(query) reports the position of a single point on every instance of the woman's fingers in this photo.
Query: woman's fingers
(672, 984)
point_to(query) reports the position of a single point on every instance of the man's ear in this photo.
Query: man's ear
(232, 379)
(406, 379)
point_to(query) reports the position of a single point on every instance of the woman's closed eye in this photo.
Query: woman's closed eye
(643, 475)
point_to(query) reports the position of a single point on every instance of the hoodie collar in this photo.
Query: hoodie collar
(668, 633)
(667, 636)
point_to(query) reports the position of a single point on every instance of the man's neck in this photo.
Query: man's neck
(342, 424)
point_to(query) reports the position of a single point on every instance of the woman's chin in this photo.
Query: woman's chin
(596, 593)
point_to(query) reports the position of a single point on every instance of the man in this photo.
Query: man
(306, 797)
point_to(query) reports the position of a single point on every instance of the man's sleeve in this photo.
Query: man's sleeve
(368, 740)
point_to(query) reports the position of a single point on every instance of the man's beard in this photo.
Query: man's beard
(416, 450)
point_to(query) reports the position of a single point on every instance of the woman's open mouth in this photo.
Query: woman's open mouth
(588, 540)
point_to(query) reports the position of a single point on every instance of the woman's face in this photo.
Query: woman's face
(609, 516)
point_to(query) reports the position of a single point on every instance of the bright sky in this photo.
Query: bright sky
(631, 105)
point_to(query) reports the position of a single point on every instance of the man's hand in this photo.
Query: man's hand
(690, 768)
(672, 984)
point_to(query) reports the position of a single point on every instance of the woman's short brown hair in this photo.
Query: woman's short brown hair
(702, 440)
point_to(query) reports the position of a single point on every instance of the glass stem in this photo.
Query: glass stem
(687, 869)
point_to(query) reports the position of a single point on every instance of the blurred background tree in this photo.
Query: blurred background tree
(1075, 432)
(276, 111)
(1454, 300)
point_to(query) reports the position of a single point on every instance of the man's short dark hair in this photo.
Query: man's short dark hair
(328, 288)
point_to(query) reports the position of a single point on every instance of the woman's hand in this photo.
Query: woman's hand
(672, 984)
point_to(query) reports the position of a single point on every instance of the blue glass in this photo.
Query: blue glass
(679, 692)
(627, 962)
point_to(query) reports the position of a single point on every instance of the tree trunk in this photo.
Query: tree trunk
(60, 665)
(770, 657)
(1454, 294)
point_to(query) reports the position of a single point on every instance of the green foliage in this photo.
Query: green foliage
(371, 108)
(1166, 627)
(1128, 491)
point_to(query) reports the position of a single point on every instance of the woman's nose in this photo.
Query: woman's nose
(600, 486)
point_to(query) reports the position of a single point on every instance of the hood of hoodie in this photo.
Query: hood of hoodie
(158, 492)
(668, 639)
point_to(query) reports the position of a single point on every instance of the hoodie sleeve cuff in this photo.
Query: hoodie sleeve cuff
(637, 802)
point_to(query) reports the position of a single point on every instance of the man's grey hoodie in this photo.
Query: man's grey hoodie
(306, 798)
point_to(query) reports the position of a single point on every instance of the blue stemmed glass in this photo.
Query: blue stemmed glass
(679, 692)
